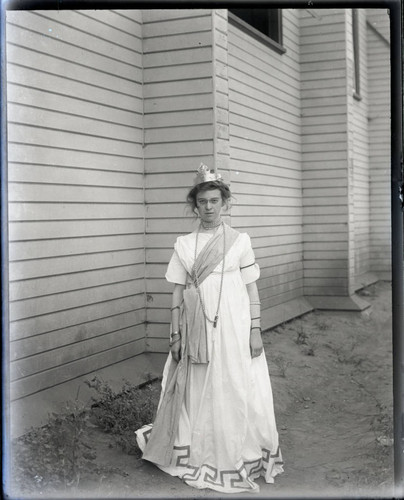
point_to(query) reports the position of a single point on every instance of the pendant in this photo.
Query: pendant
(215, 321)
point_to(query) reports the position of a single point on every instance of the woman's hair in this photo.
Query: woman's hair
(208, 186)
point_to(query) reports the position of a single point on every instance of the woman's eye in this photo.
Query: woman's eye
(204, 202)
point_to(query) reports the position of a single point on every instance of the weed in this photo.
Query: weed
(382, 426)
(279, 329)
(322, 325)
(301, 335)
(282, 364)
(311, 348)
(382, 423)
(122, 413)
(345, 353)
(59, 454)
(55, 455)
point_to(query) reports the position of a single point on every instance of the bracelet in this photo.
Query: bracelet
(174, 334)
(255, 303)
(257, 317)
(256, 328)
(172, 342)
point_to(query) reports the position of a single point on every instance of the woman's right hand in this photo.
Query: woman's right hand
(175, 348)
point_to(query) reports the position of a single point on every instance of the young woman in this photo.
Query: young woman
(215, 426)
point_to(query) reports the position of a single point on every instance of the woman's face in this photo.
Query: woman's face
(209, 204)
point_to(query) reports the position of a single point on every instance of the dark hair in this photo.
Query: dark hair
(208, 186)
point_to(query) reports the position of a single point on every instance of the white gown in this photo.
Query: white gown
(227, 433)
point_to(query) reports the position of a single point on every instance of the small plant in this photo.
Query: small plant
(282, 365)
(322, 325)
(311, 348)
(382, 426)
(346, 354)
(279, 329)
(301, 336)
(55, 455)
(122, 413)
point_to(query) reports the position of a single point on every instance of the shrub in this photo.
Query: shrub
(122, 413)
(56, 454)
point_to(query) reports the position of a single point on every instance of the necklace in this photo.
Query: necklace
(214, 321)
(211, 225)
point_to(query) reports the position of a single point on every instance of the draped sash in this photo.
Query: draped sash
(159, 447)
(193, 318)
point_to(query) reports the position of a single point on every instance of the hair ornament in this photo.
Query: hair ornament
(203, 174)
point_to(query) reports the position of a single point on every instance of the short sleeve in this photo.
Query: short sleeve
(176, 272)
(250, 270)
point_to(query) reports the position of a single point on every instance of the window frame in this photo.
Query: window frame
(258, 35)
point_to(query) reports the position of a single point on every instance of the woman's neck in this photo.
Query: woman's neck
(210, 226)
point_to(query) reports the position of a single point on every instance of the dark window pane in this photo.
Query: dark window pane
(266, 21)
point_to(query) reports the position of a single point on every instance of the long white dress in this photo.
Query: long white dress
(227, 433)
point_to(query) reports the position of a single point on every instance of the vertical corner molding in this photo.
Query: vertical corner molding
(146, 309)
(220, 90)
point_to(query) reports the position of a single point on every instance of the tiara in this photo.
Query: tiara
(203, 174)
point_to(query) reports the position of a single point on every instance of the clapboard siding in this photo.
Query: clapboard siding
(359, 151)
(265, 153)
(45, 211)
(47, 342)
(76, 213)
(38, 306)
(49, 229)
(38, 325)
(48, 174)
(179, 134)
(74, 281)
(43, 380)
(109, 115)
(82, 30)
(378, 54)
(57, 357)
(50, 119)
(380, 21)
(324, 146)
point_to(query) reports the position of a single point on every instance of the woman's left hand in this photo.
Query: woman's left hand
(256, 345)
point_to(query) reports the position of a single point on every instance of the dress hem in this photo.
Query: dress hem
(238, 479)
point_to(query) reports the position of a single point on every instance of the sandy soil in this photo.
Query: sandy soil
(331, 375)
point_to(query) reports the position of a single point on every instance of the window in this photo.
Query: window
(263, 24)
(355, 47)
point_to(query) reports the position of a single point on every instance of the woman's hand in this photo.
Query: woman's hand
(175, 348)
(256, 345)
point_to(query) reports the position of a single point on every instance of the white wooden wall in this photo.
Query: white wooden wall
(358, 150)
(111, 112)
(325, 155)
(179, 135)
(340, 171)
(265, 154)
(378, 46)
(76, 212)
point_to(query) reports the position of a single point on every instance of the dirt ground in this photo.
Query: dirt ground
(331, 375)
